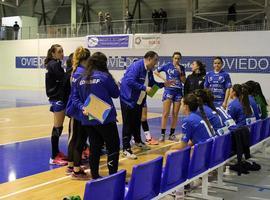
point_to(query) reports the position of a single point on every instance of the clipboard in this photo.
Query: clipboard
(153, 90)
(97, 108)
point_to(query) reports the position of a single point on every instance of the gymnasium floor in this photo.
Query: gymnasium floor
(25, 126)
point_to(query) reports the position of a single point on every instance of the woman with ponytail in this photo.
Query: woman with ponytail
(223, 114)
(98, 81)
(55, 90)
(210, 111)
(196, 128)
(77, 133)
(196, 79)
(254, 106)
(239, 108)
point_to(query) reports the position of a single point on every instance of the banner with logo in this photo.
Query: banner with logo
(232, 64)
(33, 62)
(147, 41)
(109, 41)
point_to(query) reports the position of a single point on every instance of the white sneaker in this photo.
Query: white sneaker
(127, 153)
(179, 194)
(142, 146)
(172, 138)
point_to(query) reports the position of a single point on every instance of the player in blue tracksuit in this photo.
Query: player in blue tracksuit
(55, 90)
(77, 135)
(137, 81)
(210, 111)
(196, 128)
(99, 82)
(172, 94)
(239, 108)
(219, 82)
(223, 114)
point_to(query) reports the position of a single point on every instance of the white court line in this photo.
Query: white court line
(258, 198)
(26, 140)
(4, 120)
(65, 177)
(29, 126)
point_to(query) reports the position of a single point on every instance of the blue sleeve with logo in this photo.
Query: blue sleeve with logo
(187, 131)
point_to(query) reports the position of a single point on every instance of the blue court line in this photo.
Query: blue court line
(249, 185)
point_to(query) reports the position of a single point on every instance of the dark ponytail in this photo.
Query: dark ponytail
(241, 91)
(98, 62)
(259, 92)
(204, 94)
(202, 67)
(49, 56)
(194, 103)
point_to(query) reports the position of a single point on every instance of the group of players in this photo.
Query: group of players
(211, 105)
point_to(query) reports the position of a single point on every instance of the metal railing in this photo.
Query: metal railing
(201, 23)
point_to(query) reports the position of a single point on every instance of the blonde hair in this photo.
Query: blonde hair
(79, 55)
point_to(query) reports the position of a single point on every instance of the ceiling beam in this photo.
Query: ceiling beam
(8, 4)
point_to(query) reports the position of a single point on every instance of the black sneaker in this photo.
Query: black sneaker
(80, 175)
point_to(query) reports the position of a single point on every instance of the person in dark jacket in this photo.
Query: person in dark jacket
(77, 133)
(55, 90)
(99, 82)
(195, 80)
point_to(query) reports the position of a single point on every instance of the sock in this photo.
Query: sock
(56, 133)
(145, 126)
(163, 131)
(172, 131)
(54, 142)
(147, 135)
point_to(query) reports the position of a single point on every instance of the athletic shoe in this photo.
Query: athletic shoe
(142, 146)
(172, 138)
(162, 138)
(58, 161)
(80, 175)
(85, 154)
(127, 153)
(69, 170)
(62, 155)
(152, 141)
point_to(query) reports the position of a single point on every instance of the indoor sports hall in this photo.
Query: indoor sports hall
(224, 166)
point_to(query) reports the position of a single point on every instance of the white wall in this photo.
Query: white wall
(198, 44)
(29, 27)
